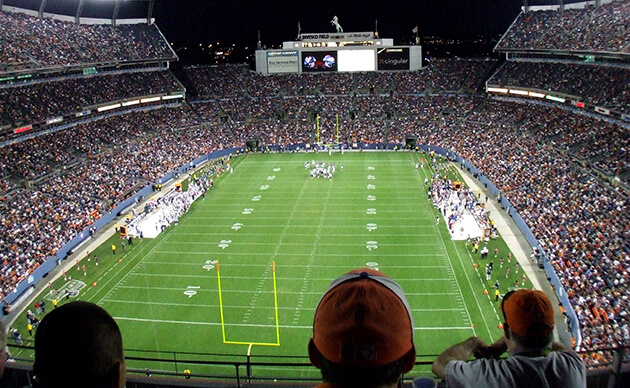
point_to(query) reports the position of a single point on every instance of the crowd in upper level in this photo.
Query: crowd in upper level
(35, 103)
(597, 85)
(443, 75)
(594, 29)
(28, 42)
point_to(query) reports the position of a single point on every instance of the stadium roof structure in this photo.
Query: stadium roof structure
(560, 4)
(85, 11)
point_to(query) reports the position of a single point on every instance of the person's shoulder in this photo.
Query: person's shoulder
(568, 355)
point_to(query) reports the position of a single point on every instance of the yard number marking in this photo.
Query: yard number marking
(209, 265)
(190, 292)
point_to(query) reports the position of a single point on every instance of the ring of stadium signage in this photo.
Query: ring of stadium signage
(339, 52)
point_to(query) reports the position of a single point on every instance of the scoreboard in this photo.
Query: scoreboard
(343, 52)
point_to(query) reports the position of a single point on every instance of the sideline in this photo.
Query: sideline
(520, 248)
(90, 245)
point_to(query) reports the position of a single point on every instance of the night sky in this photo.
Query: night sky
(191, 25)
(186, 22)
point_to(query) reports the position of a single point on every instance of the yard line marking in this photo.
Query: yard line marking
(298, 244)
(311, 259)
(125, 265)
(195, 305)
(483, 316)
(413, 235)
(307, 327)
(288, 292)
(451, 271)
(496, 313)
(131, 273)
(196, 264)
(276, 250)
(234, 256)
(217, 217)
(259, 289)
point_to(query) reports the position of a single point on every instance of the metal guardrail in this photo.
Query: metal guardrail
(173, 368)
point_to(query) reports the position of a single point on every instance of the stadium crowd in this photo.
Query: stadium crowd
(597, 85)
(581, 223)
(35, 103)
(32, 43)
(592, 29)
(54, 186)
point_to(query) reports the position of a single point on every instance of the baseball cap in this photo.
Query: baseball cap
(363, 320)
(528, 312)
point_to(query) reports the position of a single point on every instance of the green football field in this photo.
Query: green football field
(245, 268)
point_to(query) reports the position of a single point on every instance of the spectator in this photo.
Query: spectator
(29, 42)
(598, 29)
(79, 345)
(534, 359)
(363, 332)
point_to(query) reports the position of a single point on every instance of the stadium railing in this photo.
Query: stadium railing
(157, 369)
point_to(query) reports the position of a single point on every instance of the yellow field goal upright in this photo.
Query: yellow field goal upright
(275, 299)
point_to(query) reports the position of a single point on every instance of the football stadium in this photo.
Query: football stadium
(208, 209)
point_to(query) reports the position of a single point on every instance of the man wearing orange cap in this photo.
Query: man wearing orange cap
(534, 359)
(362, 332)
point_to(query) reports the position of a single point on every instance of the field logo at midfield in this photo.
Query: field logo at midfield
(371, 198)
(237, 226)
(257, 198)
(225, 243)
(247, 211)
(72, 288)
(371, 245)
(191, 291)
(372, 264)
(371, 227)
(276, 169)
(371, 187)
(271, 177)
(264, 187)
(209, 265)
(371, 211)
